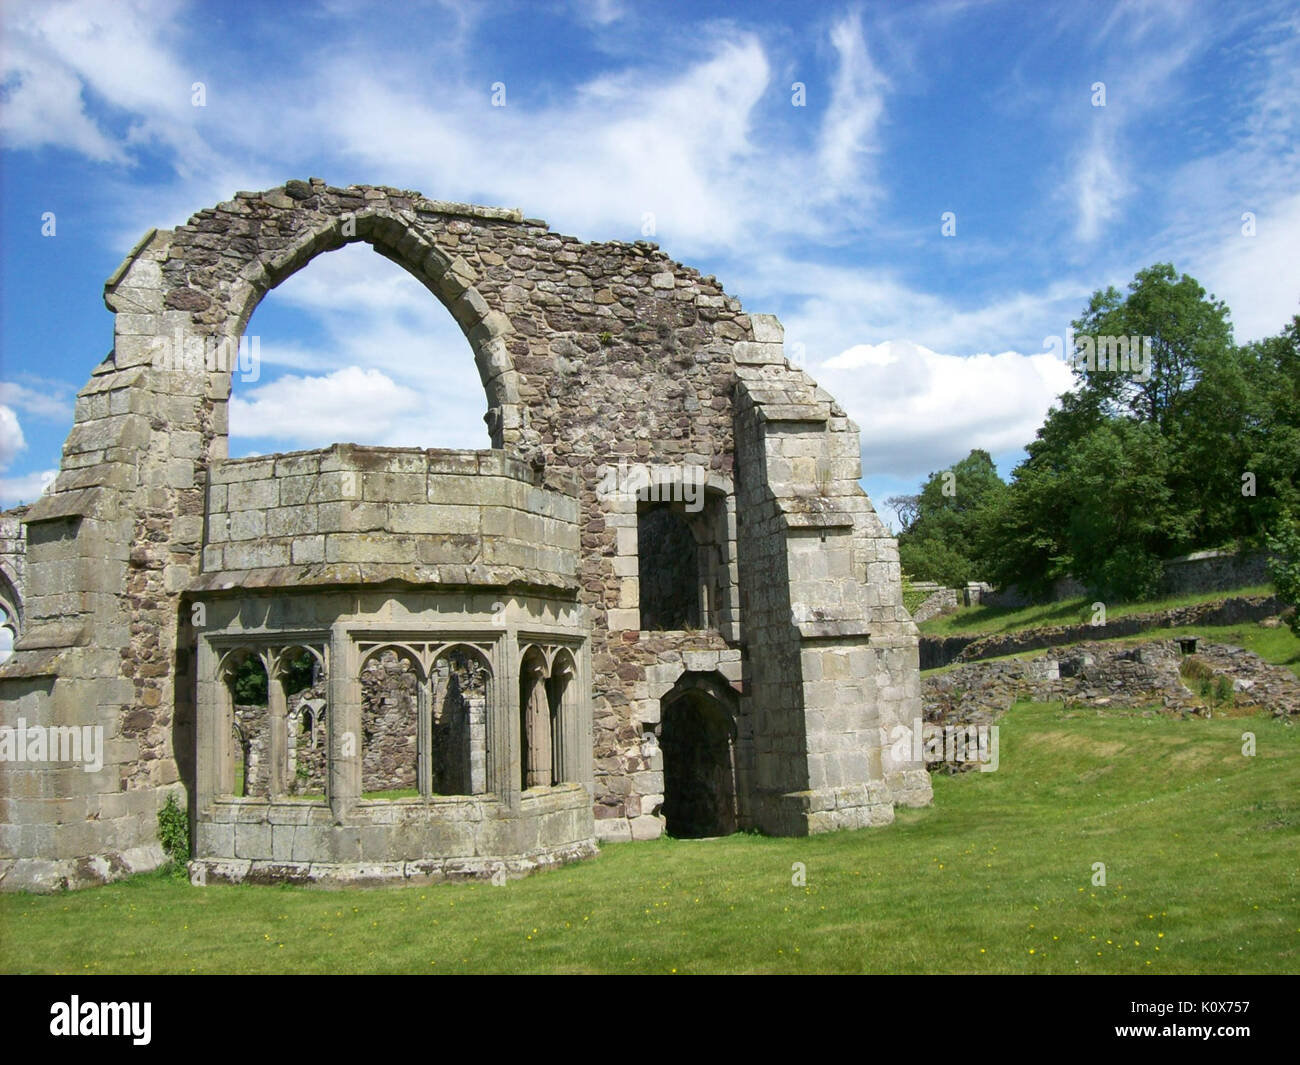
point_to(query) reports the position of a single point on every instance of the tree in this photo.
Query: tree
(1284, 566)
(1122, 518)
(1188, 332)
(1241, 440)
(939, 544)
(907, 508)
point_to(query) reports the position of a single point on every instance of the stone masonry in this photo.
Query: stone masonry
(628, 399)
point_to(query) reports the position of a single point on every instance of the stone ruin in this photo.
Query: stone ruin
(660, 602)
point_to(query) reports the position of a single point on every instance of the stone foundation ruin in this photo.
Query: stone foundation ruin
(659, 602)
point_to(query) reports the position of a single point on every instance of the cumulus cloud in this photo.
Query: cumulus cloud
(12, 440)
(919, 410)
(351, 405)
(386, 364)
(25, 487)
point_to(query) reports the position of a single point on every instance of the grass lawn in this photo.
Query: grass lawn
(1201, 847)
(1279, 646)
(985, 620)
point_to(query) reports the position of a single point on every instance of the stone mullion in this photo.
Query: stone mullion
(559, 695)
(503, 724)
(277, 721)
(343, 725)
(212, 765)
(424, 735)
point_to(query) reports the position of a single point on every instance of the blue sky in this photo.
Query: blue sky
(828, 215)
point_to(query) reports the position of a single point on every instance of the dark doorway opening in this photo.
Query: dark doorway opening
(697, 738)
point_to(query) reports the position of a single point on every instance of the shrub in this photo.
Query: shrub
(174, 831)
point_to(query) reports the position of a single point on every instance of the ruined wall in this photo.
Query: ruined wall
(590, 354)
(389, 693)
(13, 559)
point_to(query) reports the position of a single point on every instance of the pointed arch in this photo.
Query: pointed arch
(451, 280)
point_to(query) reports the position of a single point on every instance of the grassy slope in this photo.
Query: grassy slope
(1279, 646)
(1201, 845)
(983, 620)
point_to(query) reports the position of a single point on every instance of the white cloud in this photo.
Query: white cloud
(43, 105)
(689, 144)
(849, 128)
(1258, 277)
(828, 308)
(919, 410)
(25, 488)
(12, 441)
(352, 405)
(49, 400)
(1098, 183)
(56, 55)
(390, 366)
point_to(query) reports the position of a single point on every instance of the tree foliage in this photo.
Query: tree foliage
(1197, 446)
(938, 544)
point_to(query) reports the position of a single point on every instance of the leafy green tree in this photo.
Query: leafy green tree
(1188, 329)
(250, 682)
(1241, 441)
(1122, 516)
(1284, 566)
(1022, 536)
(939, 543)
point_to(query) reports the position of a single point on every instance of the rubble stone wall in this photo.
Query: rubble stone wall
(591, 355)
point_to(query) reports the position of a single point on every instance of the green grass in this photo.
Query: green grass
(1201, 847)
(1279, 646)
(985, 620)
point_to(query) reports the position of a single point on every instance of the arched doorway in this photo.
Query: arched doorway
(697, 736)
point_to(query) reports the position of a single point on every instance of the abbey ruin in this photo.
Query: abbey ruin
(660, 602)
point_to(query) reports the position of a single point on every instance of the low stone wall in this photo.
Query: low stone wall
(1098, 674)
(1213, 571)
(940, 601)
(390, 841)
(939, 651)
(1201, 571)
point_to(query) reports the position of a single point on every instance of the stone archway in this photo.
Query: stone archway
(11, 607)
(216, 277)
(697, 736)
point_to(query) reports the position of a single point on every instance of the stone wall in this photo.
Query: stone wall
(937, 651)
(1156, 674)
(591, 355)
(349, 513)
(389, 691)
(1214, 571)
(13, 559)
(1201, 571)
(940, 601)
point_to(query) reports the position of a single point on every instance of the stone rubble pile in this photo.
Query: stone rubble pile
(1155, 674)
